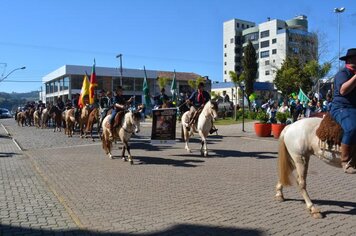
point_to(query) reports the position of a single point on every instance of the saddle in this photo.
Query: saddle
(194, 119)
(329, 131)
(118, 119)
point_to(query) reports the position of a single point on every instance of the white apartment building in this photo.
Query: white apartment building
(273, 40)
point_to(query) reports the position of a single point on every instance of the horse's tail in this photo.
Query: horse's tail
(285, 164)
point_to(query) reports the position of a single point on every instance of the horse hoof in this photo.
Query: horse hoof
(124, 159)
(110, 156)
(131, 162)
(205, 154)
(316, 214)
(279, 198)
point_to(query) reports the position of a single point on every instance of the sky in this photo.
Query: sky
(181, 35)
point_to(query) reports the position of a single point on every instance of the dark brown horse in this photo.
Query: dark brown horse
(56, 114)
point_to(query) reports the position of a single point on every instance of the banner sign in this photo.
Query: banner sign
(164, 126)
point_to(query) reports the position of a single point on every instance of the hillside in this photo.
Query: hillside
(13, 100)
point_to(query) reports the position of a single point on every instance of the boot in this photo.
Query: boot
(213, 130)
(346, 161)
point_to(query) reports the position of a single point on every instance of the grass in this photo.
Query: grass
(230, 121)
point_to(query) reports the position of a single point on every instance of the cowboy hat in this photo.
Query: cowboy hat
(350, 53)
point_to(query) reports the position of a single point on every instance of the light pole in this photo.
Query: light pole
(338, 11)
(120, 55)
(20, 68)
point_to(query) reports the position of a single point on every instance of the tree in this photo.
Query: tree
(162, 82)
(291, 76)
(250, 67)
(194, 83)
(236, 79)
(316, 71)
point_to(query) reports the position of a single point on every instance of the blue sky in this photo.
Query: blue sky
(185, 35)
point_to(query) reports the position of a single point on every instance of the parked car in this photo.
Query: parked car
(5, 113)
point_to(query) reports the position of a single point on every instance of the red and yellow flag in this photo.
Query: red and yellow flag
(92, 85)
(84, 92)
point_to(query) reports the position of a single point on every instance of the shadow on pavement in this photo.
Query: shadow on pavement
(349, 208)
(181, 229)
(7, 154)
(221, 153)
(164, 161)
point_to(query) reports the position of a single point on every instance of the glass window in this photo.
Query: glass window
(237, 25)
(225, 72)
(66, 83)
(225, 55)
(55, 86)
(267, 72)
(267, 63)
(128, 84)
(138, 84)
(243, 26)
(225, 63)
(225, 46)
(274, 41)
(232, 40)
(264, 54)
(274, 51)
(264, 33)
(264, 44)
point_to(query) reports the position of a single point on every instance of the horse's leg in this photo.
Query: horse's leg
(186, 139)
(301, 165)
(123, 153)
(126, 144)
(204, 147)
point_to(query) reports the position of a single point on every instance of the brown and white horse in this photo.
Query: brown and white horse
(37, 118)
(44, 118)
(84, 115)
(297, 143)
(130, 125)
(70, 121)
(205, 122)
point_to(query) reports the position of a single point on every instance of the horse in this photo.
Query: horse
(30, 116)
(22, 117)
(44, 118)
(94, 117)
(56, 115)
(297, 142)
(130, 124)
(36, 119)
(70, 121)
(83, 120)
(205, 123)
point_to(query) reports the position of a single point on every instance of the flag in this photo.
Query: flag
(146, 90)
(174, 87)
(83, 92)
(302, 97)
(92, 85)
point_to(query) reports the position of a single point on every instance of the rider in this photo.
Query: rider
(198, 99)
(343, 109)
(120, 105)
(105, 103)
(40, 106)
(161, 99)
(60, 104)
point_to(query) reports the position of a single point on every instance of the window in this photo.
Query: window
(274, 41)
(225, 72)
(66, 83)
(243, 26)
(232, 40)
(225, 55)
(264, 44)
(264, 33)
(225, 46)
(267, 72)
(264, 54)
(267, 63)
(225, 63)
(274, 51)
(237, 25)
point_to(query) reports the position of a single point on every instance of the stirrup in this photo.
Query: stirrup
(348, 167)
(213, 130)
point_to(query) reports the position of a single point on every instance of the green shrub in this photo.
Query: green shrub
(282, 117)
(262, 117)
(253, 115)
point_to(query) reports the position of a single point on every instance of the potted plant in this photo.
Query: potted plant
(278, 127)
(262, 128)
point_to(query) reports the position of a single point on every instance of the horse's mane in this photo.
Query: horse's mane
(329, 131)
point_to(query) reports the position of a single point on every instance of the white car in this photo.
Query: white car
(5, 113)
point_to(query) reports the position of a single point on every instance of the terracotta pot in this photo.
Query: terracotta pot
(277, 129)
(263, 129)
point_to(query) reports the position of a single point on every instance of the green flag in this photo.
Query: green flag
(302, 97)
(146, 90)
(174, 87)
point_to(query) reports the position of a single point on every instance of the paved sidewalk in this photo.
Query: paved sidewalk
(171, 192)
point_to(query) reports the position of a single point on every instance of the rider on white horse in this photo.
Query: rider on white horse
(198, 100)
(343, 109)
(120, 105)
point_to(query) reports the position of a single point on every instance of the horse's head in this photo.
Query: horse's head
(134, 119)
(212, 109)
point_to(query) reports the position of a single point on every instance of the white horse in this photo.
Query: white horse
(36, 119)
(130, 125)
(44, 118)
(70, 121)
(297, 143)
(205, 123)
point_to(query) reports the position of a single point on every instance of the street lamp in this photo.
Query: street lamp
(338, 11)
(20, 68)
(120, 55)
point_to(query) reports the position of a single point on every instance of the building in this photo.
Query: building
(273, 40)
(67, 80)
